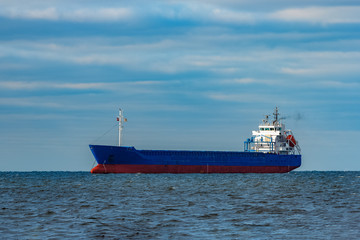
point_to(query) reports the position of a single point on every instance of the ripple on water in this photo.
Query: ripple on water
(204, 206)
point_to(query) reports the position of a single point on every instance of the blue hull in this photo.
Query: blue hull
(114, 159)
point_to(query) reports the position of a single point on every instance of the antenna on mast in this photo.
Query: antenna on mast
(276, 115)
(266, 120)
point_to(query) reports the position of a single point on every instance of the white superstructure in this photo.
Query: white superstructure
(272, 137)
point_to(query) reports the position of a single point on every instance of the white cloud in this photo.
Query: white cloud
(298, 71)
(99, 59)
(21, 85)
(185, 53)
(45, 13)
(323, 67)
(231, 12)
(247, 98)
(339, 84)
(225, 15)
(80, 86)
(241, 81)
(28, 102)
(49, 14)
(81, 14)
(322, 15)
(97, 15)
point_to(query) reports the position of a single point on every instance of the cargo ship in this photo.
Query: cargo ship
(270, 149)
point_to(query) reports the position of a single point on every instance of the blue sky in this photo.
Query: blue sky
(188, 74)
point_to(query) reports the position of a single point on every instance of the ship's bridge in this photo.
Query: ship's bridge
(269, 128)
(272, 137)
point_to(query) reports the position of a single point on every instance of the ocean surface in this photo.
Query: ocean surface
(66, 205)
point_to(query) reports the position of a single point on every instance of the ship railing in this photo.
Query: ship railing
(252, 145)
(298, 149)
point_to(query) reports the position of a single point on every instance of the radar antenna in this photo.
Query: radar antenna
(266, 120)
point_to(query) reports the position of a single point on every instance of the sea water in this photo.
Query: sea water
(66, 205)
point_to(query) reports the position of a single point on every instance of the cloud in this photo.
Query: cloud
(48, 14)
(247, 98)
(323, 67)
(99, 15)
(240, 81)
(322, 15)
(40, 116)
(77, 15)
(21, 85)
(229, 16)
(180, 11)
(229, 12)
(100, 59)
(28, 102)
(53, 103)
(299, 71)
(45, 13)
(339, 84)
(178, 54)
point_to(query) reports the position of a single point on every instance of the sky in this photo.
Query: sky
(189, 75)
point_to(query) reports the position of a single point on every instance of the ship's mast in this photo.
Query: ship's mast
(276, 115)
(120, 120)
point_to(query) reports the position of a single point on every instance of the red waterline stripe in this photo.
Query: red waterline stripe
(132, 168)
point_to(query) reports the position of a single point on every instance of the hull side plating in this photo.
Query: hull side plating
(134, 168)
(113, 159)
